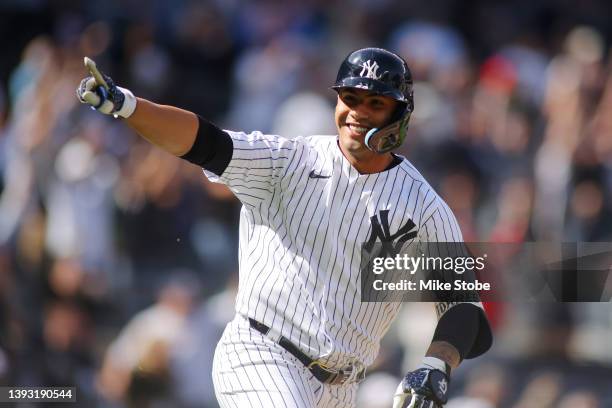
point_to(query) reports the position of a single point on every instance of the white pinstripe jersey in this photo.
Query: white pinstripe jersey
(306, 214)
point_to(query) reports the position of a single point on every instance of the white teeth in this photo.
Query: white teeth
(358, 129)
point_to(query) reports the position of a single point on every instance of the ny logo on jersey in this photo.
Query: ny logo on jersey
(369, 70)
(391, 243)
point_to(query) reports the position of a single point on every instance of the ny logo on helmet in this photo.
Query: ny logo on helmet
(369, 70)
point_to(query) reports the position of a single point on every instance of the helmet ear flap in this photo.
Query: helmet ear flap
(400, 111)
(392, 135)
(389, 137)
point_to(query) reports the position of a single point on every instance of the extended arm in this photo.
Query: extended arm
(170, 128)
(259, 160)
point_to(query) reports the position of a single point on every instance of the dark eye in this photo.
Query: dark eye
(377, 103)
(349, 99)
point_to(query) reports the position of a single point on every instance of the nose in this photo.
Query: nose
(361, 111)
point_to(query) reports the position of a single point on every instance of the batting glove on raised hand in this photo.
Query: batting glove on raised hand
(100, 92)
(425, 387)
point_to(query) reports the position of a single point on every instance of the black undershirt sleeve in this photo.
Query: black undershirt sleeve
(212, 148)
(466, 327)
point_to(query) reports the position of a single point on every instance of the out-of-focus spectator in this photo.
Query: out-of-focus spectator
(486, 388)
(136, 365)
(376, 391)
(265, 78)
(290, 120)
(192, 354)
(514, 215)
(68, 341)
(542, 392)
(80, 205)
(579, 399)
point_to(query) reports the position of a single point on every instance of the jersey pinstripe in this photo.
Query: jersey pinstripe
(250, 370)
(306, 214)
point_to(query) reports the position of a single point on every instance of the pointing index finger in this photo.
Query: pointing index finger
(93, 69)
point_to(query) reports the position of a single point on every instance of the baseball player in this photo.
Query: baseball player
(301, 336)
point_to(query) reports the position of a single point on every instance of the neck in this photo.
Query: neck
(368, 162)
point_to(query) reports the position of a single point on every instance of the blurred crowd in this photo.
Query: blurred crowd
(118, 262)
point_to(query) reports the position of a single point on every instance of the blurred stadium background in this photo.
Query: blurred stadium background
(118, 262)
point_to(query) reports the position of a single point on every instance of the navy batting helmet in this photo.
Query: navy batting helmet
(384, 73)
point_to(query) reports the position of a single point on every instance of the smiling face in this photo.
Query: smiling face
(358, 111)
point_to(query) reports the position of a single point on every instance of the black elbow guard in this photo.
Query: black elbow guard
(212, 148)
(466, 327)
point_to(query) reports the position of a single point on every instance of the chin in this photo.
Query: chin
(355, 148)
(352, 142)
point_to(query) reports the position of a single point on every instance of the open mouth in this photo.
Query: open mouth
(357, 129)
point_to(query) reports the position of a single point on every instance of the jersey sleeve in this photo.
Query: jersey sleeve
(258, 164)
(439, 223)
(440, 236)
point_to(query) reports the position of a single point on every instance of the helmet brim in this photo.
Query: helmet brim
(374, 85)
